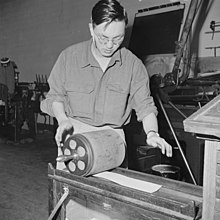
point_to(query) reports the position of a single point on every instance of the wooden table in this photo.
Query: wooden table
(206, 124)
(106, 200)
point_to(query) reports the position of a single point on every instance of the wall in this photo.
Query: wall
(34, 32)
(210, 12)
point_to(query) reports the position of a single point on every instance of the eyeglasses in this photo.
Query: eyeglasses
(105, 40)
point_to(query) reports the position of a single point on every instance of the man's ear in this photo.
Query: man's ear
(91, 29)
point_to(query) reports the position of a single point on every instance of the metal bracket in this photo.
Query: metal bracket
(60, 202)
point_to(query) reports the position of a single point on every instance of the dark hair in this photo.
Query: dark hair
(108, 11)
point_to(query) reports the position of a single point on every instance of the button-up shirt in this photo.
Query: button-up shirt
(95, 97)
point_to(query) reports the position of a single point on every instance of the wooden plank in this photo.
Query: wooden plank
(209, 186)
(216, 216)
(218, 157)
(55, 191)
(202, 111)
(50, 190)
(217, 181)
(176, 201)
(185, 188)
(200, 127)
(218, 192)
(206, 120)
(130, 196)
(217, 205)
(217, 169)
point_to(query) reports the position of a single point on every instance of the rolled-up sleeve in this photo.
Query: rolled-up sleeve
(57, 91)
(141, 99)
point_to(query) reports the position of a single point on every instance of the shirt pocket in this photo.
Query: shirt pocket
(116, 103)
(81, 98)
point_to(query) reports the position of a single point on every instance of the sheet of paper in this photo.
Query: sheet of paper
(129, 182)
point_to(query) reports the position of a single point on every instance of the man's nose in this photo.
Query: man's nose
(109, 44)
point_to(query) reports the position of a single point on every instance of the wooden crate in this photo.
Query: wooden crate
(92, 198)
(206, 124)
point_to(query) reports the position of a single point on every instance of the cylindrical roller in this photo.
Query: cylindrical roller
(93, 152)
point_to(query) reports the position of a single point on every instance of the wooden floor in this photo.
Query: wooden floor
(23, 177)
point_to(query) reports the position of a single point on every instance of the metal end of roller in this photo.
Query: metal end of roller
(64, 158)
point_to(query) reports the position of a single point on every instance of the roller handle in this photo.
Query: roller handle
(64, 158)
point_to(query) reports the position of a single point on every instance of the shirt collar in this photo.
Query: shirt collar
(86, 55)
(87, 58)
(117, 57)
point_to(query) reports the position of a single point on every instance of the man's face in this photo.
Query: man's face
(108, 38)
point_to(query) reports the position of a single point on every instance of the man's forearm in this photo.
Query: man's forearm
(150, 123)
(59, 111)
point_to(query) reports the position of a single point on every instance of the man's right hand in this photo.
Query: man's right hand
(64, 130)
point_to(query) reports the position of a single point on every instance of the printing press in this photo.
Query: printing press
(86, 195)
(94, 188)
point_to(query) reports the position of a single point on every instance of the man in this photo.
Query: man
(95, 84)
